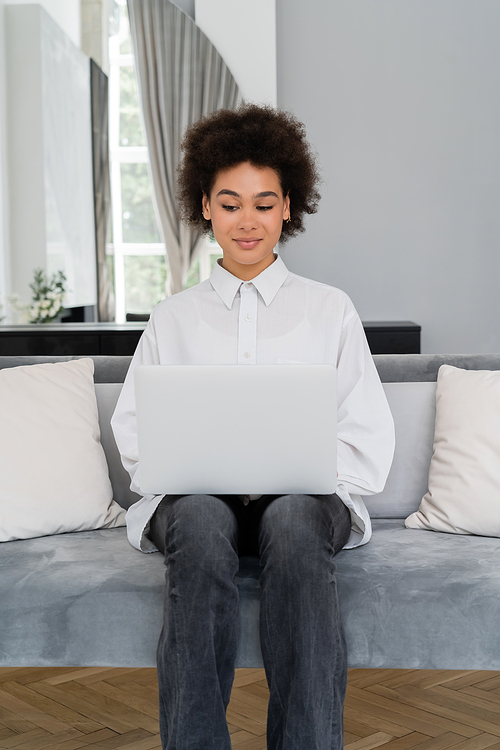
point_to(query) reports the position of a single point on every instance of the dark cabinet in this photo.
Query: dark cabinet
(400, 337)
(115, 339)
(70, 339)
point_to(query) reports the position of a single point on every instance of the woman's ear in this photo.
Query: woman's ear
(205, 207)
(286, 208)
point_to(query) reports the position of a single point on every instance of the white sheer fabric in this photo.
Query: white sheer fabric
(181, 78)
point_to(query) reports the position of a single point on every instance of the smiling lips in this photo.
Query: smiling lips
(247, 243)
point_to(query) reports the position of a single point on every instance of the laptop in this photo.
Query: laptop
(236, 429)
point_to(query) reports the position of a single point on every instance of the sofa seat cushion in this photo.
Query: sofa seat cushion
(409, 599)
(90, 599)
(84, 599)
(413, 407)
(421, 599)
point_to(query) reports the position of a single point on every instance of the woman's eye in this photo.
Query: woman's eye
(232, 209)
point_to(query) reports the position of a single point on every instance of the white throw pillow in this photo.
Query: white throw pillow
(464, 475)
(53, 471)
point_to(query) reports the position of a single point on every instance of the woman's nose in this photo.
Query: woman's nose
(247, 218)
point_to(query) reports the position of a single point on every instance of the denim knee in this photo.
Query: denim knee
(201, 529)
(305, 526)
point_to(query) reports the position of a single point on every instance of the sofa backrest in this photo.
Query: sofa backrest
(107, 396)
(413, 409)
(409, 382)
(410, 385)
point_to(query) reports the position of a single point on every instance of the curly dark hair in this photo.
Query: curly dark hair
(261, 135)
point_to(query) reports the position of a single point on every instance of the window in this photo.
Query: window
(135, 252)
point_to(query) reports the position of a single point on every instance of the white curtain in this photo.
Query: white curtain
(181, 78)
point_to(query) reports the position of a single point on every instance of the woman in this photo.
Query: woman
(249, 176)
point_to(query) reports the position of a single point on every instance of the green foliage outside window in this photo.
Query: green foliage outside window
(126, 45)
(193, 275)
(145, 277)
(194, 272)
(130, 122)
(139, 223)
(213, 261)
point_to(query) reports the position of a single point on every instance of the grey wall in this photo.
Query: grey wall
(401, 99)
(186, 5)
(4, 212)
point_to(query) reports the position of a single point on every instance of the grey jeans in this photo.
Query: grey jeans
(301, 634)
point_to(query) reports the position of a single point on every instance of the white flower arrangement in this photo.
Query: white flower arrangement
(47, 300)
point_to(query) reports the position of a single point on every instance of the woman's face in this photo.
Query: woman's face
(247, 209)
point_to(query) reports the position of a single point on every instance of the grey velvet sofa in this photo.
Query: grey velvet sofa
(410, 599)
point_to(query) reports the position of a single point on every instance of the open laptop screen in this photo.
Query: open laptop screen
(236, 429)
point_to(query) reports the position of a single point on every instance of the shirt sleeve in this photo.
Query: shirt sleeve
(365, 427)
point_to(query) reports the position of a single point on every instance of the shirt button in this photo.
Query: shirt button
(246, 355)
(247, 317)
(248, 286)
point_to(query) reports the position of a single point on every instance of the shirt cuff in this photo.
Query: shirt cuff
(137, 518)
(361, 527)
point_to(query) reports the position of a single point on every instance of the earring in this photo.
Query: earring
(287, 221)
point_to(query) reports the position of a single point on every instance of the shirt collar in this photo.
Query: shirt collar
(267, 283)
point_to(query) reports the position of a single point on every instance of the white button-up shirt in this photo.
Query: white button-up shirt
(276, 318)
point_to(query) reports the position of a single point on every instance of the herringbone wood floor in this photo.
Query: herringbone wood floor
(110, 709)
